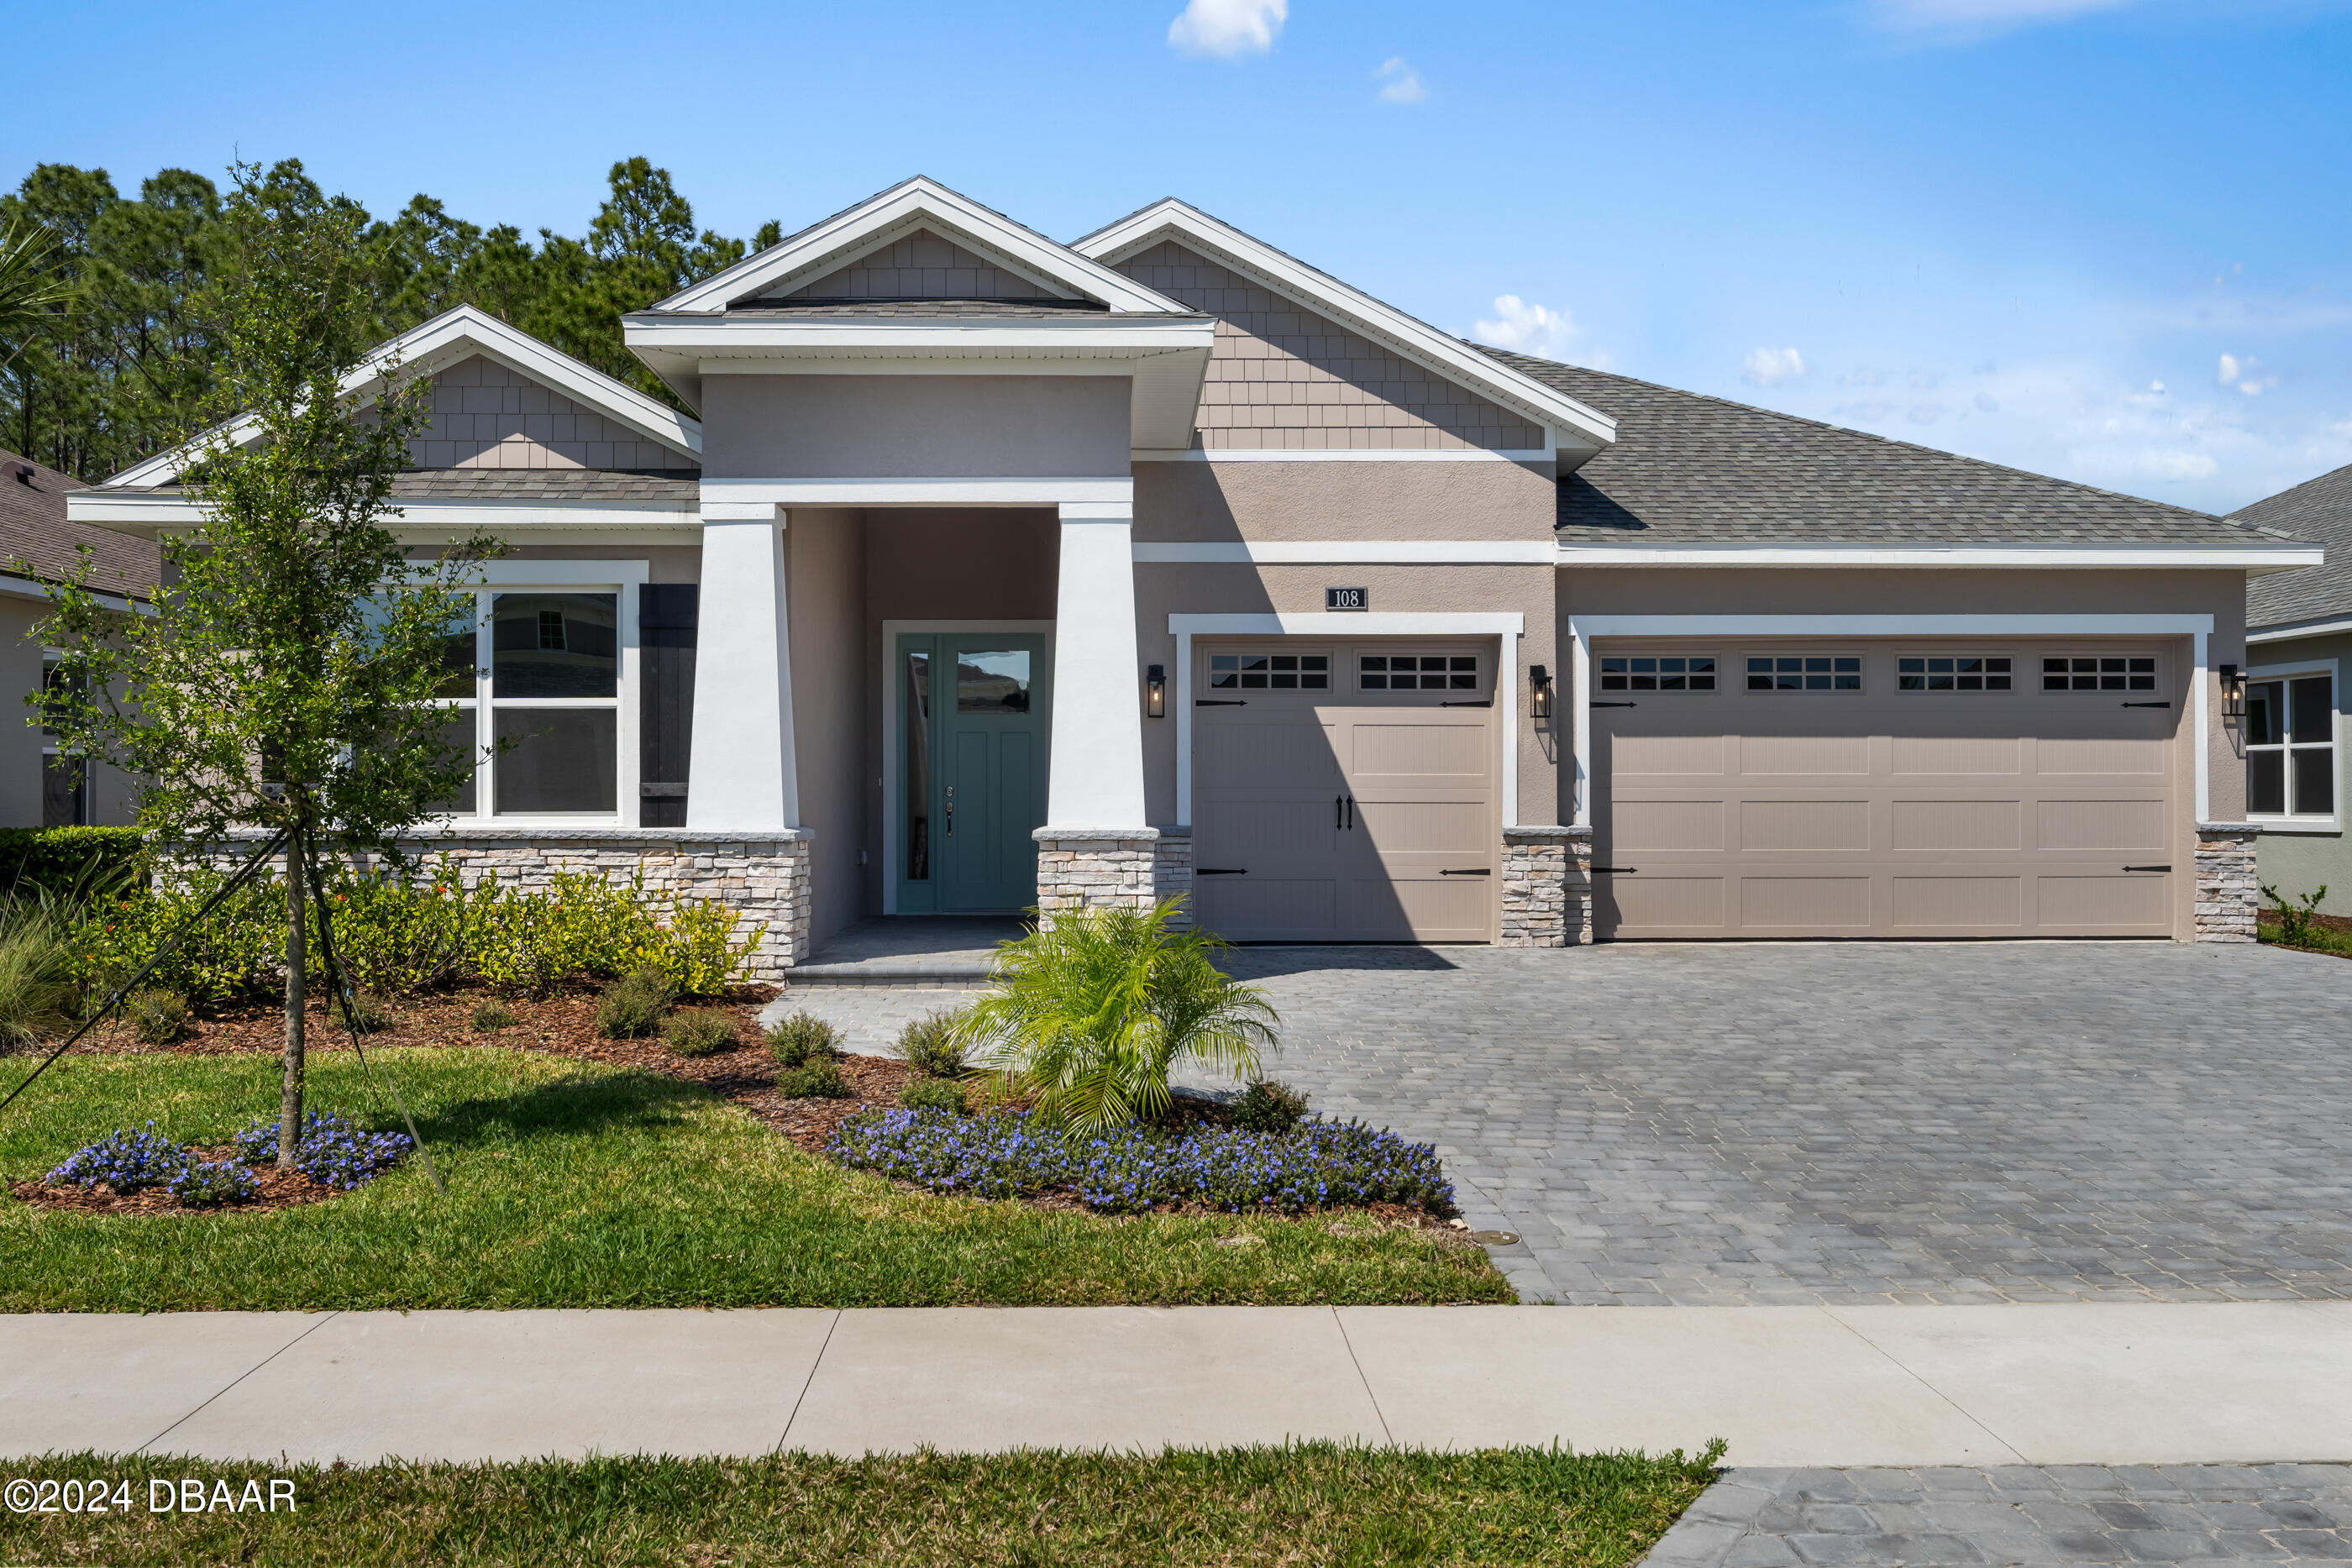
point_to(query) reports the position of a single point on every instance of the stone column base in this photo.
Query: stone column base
(1547, 883)
(2228, 888)
(1172, 871)
(1098, 868)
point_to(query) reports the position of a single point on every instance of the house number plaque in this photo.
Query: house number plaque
(1345, 598)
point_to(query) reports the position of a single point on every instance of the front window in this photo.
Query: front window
(534, 688)
(2291, 746)
(65, 781)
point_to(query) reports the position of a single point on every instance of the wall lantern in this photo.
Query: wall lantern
(1539, 686)
(1155, 691)
(2233, 692)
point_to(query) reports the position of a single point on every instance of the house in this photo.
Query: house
(992, 573)
(39, 545)
(2299, 629)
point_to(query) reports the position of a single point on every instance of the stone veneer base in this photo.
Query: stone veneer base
(1547, 886)
(2228, 888)
(1098, 868)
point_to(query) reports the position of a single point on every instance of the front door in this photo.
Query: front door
(971, 771)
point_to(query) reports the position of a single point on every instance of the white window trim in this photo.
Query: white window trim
(891, 631)
(2198, 629)
(620, 578)
(2333, 668)
(1351, 626)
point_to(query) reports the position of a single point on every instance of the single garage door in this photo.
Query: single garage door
(1885, 790)
(1345, 793)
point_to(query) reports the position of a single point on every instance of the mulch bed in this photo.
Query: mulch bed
(278, 1189)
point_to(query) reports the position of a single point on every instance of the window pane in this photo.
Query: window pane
(998, 683)
(65, 804)
(458, 733)
(459, 656)
(2264, 703)
(919, 766)
(2315, 781)
(554, 645)
(563, 759)
(2309, 719)
(2266, 783)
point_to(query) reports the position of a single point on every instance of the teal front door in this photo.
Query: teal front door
(972, 771)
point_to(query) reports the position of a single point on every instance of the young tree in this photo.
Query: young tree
(285, 679)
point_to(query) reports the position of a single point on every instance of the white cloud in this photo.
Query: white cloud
(2247, 375)
(1770, 367)
(1526, 327)
(1400, 83)
(1228, 27)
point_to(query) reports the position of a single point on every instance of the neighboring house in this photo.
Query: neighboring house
(39, 546)
(997, 572)
(2300, 626)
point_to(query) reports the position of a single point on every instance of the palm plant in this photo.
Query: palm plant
(34, 984)
(1089, 1015)
(30, 289)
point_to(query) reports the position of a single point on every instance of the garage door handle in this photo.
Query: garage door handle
(1222, 871)
(1488, 702)
(1612, 870)
(1482, 871)
(2147, 704)
(1613, 704)
(1219, 702)
(2147, 868)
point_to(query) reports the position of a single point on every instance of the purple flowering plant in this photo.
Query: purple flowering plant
(125, 1159)
(333, 1151)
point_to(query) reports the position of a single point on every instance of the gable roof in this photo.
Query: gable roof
(37, 541)
(448, 338)
(1580, 428)
(2318, 510)
(826, 247)
(1688, 469)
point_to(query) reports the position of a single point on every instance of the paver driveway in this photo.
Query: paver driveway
(1795, 1123)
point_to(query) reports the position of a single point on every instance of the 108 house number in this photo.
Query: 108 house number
(164, 1495)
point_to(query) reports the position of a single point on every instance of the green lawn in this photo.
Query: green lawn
(573, 1184)
(1308, 1504)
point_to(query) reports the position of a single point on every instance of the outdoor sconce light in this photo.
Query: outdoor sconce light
(2233, 692)
(1155, 691)
(1540, 685)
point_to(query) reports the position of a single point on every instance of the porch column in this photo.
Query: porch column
(743, 777)
(1095, 850)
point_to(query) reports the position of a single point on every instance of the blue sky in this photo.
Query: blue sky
(2106, 239)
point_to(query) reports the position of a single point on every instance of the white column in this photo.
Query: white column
(742, 773)
(1097, 778)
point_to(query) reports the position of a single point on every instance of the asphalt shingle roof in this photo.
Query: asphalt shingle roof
(1692, 469)
(36, 540)
(2320, 510)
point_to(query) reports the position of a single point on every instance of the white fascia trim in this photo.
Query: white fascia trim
(2297, 629)
(2332, 667)
(1119, 336)
(2257, 559)
(1366, 552)
(451, 336)
(24, 587)
(1396, 624)
(1451, 358)
(943, 492)
(147, 515)
(822, 248)
(1523, 454)
(1090, 364)
(2198, 629)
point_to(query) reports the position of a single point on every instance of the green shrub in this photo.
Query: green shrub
(819, 1078)
(2297, 927)
(1090, 1017)
(802, 1038)
(1266, 1106)
(233, 952)
(491, 1017)
(36, 970)
(157, 1017)
(931, 1047)
(72, 862)
(396, 936)
(700, 1032)
(933, 1094)
(632, 1007)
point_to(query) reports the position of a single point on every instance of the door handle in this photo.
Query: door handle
(1613, 704)
(952, 810)
(2147, 704)
(1221, 871)
(1219, 702)
(1352, 813)
(1612, 870)
(2147, 868)
(1488, 702)
(1338, 812)
(1482, 871)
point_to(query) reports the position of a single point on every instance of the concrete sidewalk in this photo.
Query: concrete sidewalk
(1787, 1385)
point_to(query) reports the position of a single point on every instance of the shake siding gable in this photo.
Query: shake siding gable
(488, 416)
(923, 265)
(1282, 377)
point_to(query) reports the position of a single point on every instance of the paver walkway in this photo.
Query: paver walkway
(1834, 1122)
(2036, 1518)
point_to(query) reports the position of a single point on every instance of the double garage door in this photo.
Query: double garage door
(1885, 790)
(1345, 792)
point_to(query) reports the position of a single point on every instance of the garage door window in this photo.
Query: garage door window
(1270, 672)
(1659, 673)
(1417, 672)
(1805, 673)
(2291, 747)
(1951, 673)
(2102, 673)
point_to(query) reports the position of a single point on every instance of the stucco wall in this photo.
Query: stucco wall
(113, 794)
(986, 426)
(2298, 864)
(922, 265)
(824, 567)
(488, 416)
(664, 563)
(1220, 502)
(1894, 592)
